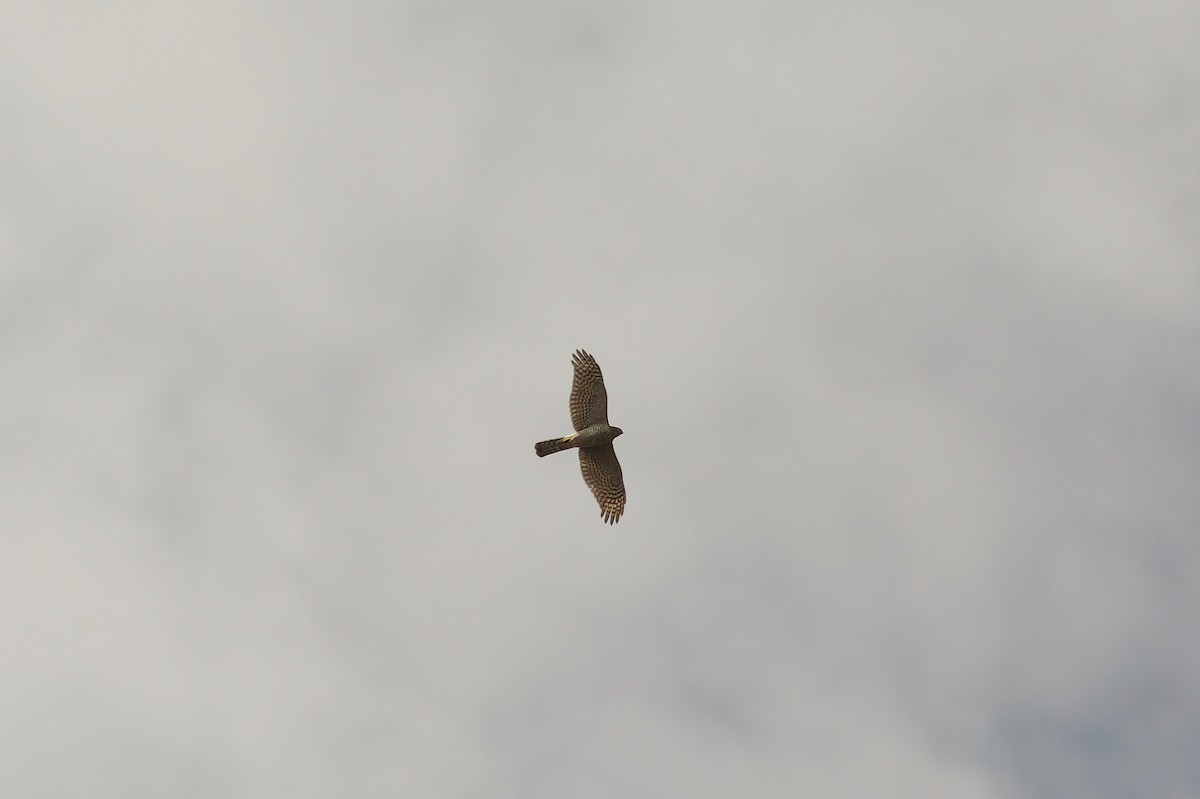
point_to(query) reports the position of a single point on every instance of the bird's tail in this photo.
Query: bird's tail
(544, 448)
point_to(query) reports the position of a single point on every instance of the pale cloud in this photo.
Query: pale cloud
(896, 306)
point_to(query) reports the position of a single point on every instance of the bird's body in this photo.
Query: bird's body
(593, 437)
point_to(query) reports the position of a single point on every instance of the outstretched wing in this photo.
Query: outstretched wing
(602, 473)
(589, 401)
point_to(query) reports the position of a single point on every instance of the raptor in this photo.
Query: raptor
(593, 438)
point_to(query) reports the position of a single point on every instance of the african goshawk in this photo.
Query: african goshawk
(593, 436)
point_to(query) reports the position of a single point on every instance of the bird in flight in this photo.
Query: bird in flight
(593, 437)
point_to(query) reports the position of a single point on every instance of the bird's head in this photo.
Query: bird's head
(617, 431)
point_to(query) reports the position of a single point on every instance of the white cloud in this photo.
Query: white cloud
(896, 310)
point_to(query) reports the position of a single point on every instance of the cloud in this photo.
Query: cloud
(895, 307)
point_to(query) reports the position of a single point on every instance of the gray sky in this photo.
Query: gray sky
(896, 302)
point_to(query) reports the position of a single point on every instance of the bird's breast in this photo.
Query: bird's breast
(595, 436)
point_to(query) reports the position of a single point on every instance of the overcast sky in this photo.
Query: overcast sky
(898, 305)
